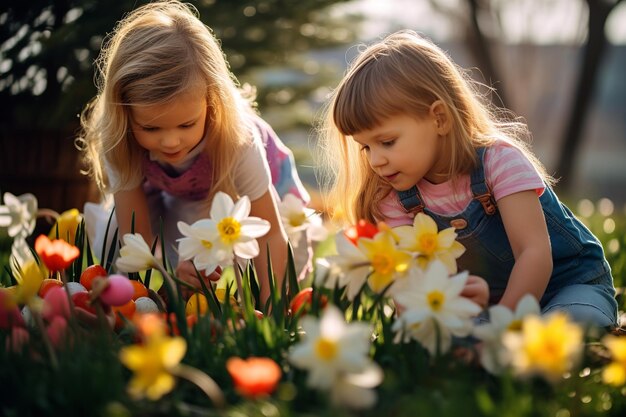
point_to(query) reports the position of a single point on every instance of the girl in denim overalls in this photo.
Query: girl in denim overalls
(407, 131)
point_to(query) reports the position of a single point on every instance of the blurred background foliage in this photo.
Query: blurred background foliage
(48, 48)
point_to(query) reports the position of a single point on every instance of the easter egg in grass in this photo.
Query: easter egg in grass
(127, 311)
(118, 291)
(48, 283)
(197, 304)
(83, 300)
(56, 303)
(90, 273)
(139, 288)
(304, 299)
(146, 305)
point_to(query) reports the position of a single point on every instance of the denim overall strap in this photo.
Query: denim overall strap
(479, 186)
(411, 200)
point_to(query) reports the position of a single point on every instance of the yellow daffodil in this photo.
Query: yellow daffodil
(153, 364)
(387, 262)
(501, 320)
(615, 372)
(29, 279)
(547, 345)
(428, 243)
(349, 268)
(67, 223)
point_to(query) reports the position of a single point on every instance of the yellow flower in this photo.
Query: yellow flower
(153, 364)
(615, 372)
(548, 345)
(385, 259)
(67, 223)
(29, 279)
(424, 239)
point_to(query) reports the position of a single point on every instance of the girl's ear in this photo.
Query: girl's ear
(441, 117)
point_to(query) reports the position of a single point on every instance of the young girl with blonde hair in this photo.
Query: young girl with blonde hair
(407, 131)
(170, 127)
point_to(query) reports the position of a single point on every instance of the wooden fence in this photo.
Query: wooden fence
(46, 164)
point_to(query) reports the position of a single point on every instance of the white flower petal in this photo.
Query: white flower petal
(241, 210)
(221, 206)
(247, 250)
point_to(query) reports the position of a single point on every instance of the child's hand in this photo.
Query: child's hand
(477, 290)
(185, 271)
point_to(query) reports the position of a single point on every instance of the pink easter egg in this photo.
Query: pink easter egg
(56, 304)
(118, 292)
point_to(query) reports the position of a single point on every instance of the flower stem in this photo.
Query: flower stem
(238, 278)
(49, 214)
(202, 381)
(46, 340)
(171, 281)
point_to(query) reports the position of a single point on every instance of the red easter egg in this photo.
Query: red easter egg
(48, 283)
(82, 300)
(90, 273)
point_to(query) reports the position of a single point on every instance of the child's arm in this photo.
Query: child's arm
(527, 231)
(127, 202)
(266, 208)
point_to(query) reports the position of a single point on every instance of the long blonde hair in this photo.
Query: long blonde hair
(156, 53)
(404, 74)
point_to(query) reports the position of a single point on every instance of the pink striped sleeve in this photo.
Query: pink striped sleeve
(508, 171)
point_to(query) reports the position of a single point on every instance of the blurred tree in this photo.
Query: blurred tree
(480, 20)
(594, 51)
(47, 49)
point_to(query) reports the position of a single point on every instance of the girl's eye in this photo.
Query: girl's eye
(149, 129)
(188, 125)
(388, 143)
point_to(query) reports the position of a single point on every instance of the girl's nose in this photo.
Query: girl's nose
(376, 159)
(169, 140)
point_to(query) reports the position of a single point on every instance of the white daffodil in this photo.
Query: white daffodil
(20, 254)
(229, 230)
(298, 219)
(135, 255)
(435, 297)
(428, 243)
(349, 268)
(356, 390)
(493, 356)
(19, 214)
(331, 348)
(203, 245)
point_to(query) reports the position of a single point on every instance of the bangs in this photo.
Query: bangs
(365, 100)
(383, 86)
